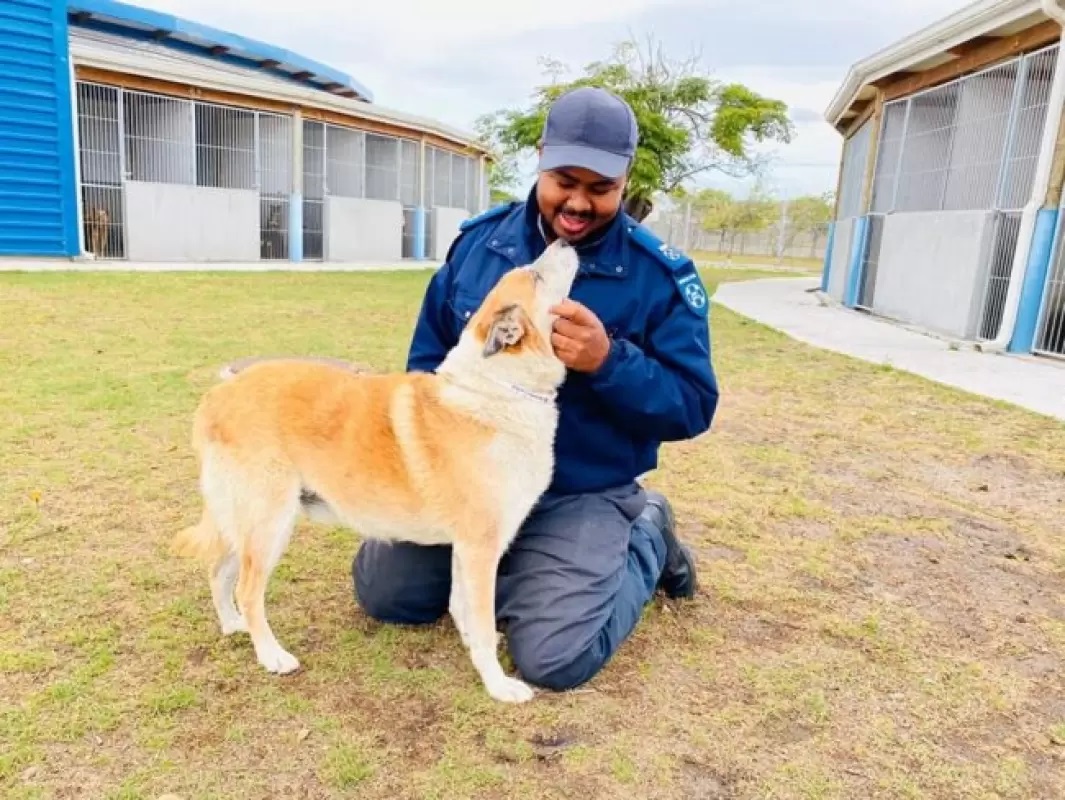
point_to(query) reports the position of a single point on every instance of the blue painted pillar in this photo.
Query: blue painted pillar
(295, 227)
(419, 233)
(1044, 239)
(826, 270)
(854, 262)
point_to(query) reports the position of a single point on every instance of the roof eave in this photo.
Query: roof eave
(133, 62)
(976, 19)
(218, 43)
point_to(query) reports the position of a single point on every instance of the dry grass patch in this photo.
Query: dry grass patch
(881, 613)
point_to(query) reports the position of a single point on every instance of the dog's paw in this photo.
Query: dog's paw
(279, 661)
(511, 690)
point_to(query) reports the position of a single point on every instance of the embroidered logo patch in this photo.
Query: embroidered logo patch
(691, 289)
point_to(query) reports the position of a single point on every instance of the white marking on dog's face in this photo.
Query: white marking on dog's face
(555, 272)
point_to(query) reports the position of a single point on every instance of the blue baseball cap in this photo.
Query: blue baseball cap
(590, 128)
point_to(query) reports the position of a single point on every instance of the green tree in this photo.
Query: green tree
(716, 210)
(754, 214)
(810, 214)
(689, 123)
(502, 172)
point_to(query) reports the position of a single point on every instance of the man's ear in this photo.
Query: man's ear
(506, 330)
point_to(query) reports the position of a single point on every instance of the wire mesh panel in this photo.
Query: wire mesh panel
(1000, 268)
(981, 127)
(870, 261)
(382, 167)
(970, 144)
(473, 194)
(100, 156)
(438, 186)
(888, 154)
(1050, 335)
(430, 231)
(274, 138)
(926, 150)
(1031, 116)
(160, 134)
(409, 177)
(852, 180)
(313, 190)
(407, 248)
(451, 179)
(225, 147)
(345, 162)
(1051, 339)
(459, 168)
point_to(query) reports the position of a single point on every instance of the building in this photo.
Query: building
(948, 210)
(133, 135)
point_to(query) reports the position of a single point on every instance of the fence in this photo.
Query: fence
(970, 144)
(1050, 330)
(133, 136)
(782, 239)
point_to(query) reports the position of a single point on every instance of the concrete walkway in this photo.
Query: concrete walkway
(1037, 384)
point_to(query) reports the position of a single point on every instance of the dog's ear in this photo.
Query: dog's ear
(506, 330)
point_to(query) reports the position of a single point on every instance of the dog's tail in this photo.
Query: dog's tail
(202, 541)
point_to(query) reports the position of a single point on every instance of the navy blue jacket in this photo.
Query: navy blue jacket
(656, 385)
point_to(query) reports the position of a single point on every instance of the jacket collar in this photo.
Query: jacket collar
(520, 240)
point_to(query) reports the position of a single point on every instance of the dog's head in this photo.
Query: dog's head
(515, 318)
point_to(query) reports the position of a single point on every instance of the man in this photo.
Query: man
(635, 338)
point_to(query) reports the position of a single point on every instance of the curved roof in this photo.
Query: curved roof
(933, 46)
(132, 21)
(113, 52)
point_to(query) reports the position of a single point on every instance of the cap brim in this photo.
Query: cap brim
(609, 165)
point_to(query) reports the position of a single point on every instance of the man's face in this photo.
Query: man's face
(577, 202)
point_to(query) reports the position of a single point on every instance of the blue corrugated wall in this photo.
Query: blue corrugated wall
(38, 191)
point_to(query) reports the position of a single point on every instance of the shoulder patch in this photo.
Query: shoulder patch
(484, 216)
(672, 258)
(693, 292)
(681, 269)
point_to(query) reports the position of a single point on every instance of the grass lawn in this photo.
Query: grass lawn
(809, 266)
(881, 616)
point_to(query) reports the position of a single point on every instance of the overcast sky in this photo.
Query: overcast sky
(456, 59)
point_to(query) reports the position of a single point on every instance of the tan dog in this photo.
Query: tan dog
(458, 457)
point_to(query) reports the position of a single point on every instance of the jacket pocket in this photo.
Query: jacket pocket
(463, 305)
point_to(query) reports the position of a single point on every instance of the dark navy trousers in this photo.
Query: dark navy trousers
(570, 589)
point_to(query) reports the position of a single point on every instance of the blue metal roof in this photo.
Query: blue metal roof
(142, 23)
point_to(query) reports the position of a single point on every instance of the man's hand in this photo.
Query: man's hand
(579, 338)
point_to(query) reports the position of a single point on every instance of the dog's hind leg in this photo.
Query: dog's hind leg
(206, 542)
(478, 561)
(224, 574)
(265, 521)
(255, 512)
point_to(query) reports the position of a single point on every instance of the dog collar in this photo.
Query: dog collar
(543, 398)
(547, 398)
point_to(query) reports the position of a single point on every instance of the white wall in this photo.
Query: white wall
(933, 269)
(172, 222)
(358, 229)
(840, 258)
(446, 229)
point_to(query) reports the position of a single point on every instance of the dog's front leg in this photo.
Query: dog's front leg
(457, 605)
(477, 564)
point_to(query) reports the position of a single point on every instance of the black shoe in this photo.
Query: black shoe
(678, 576)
